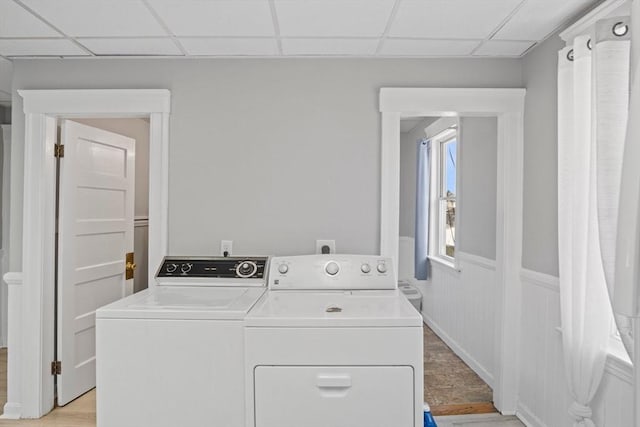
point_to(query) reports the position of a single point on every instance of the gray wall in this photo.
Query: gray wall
(540, 228)
(5, 114)
(478, 191)
(272, 154)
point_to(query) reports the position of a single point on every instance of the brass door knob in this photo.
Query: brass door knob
(131, 266)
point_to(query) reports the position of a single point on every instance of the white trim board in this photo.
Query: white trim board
(508, 106)
(35, 311)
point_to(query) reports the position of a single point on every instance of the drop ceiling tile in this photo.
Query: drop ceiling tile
(537, 19)
(363, 47)
(216, 18)
(413, 47)
(15, 21)
(333, 18)
(450, 19)
(36, 47)
(201, 46)
(127, 46)
(98, 18)
(503, 48)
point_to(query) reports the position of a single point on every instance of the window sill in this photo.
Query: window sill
(445, 263)
(618, 362)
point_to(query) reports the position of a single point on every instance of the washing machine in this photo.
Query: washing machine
(333, 343)
(173, 355)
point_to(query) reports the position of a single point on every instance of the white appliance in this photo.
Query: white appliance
(333, 344)
(172, 355)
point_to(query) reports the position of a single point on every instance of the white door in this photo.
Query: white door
(95, 231)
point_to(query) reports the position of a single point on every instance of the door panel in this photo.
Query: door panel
(96, 199)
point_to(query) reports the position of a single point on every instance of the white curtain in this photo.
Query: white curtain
(592, 108)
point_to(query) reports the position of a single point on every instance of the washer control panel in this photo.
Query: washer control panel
(214, 267)
(344, 272)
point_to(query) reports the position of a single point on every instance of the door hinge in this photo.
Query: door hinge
(58, 150)
(56, 367)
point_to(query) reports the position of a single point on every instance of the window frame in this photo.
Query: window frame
(440, 132)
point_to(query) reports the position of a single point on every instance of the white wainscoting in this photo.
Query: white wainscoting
(543, 397)
(459, 307)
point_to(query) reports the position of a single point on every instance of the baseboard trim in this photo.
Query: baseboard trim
(527, 417)
(486, 376)
(12, 411)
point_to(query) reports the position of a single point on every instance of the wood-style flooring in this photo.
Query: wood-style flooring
(451, 388)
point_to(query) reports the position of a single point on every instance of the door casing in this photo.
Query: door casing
(30, 387)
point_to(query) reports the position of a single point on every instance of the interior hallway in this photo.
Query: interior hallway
(450, 386)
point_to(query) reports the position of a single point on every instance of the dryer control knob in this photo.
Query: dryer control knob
(365, 268)
(332, 268)
(283, 268)
(382, 268)
(171, 268)
(186, 267)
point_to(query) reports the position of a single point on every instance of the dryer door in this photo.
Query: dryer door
(334, 396)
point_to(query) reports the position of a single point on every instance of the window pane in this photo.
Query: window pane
(449, 165)
(450, 228)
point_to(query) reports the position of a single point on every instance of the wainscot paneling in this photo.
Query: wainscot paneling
(458, 306)
(543, 397)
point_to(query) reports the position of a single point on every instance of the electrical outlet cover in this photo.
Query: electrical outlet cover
(330, 243)
(226, 245)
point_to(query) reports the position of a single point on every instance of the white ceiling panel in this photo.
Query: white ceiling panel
(365, 47)
(412, 47)
(216, 18)
(333, 18)
(98, 18)
(538, 18)
(229, 46)
(450, 19)
(36, 47)
(164, 46)
(503, 48)
(15, 21)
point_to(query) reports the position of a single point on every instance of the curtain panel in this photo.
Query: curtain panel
(593, 103)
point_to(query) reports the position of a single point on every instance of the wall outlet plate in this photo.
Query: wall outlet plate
(330, 243)
(226, 246)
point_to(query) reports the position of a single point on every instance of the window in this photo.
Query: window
(442, 245)
(447, 198)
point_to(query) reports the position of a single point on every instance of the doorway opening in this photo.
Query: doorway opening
(101, 236)
(31, 388)
(447, 217)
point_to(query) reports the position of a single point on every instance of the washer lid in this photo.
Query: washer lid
(184, 302)
(333, 309)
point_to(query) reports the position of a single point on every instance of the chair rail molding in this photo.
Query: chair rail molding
(508, 106)
(42, 109)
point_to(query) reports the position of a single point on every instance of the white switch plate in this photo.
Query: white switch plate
(226, 245)
(330, 243)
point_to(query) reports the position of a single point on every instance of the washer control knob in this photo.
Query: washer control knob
(382, 268)
(246, 269)
(283, 268)
(171, 268)
(332, 268)
(186, 267)
(365, 268)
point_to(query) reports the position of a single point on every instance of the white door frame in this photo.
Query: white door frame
(508, 106)
(31, 384)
